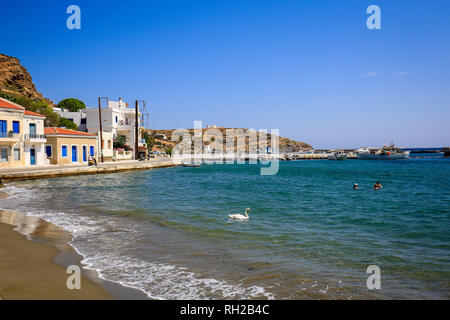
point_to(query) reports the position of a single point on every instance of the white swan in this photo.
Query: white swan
(239, 216)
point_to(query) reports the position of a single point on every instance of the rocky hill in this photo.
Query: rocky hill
(15, 79)
(285, 144)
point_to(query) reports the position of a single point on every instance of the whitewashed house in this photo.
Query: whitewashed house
(118, 119)
(79, 117)
(34, 138)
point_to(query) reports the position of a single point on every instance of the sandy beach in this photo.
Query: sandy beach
(34, 255)
(28, 270)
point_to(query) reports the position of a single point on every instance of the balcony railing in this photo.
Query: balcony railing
(9, 135)
(34, 136)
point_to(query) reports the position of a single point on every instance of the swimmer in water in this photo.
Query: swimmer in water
(355, 186)
(377, 186)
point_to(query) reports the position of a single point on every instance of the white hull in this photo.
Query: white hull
(371, 156)
(338, 158)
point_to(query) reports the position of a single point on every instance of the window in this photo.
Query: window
(16, 126)
(16, 154)
(91, 150)
(3, 154)
(109, 144)
(117, 119)
(64, 151)
(48, 151)
(32, 129)
(83, 121)
(3, 130)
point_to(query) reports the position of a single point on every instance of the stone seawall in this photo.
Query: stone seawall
(13, 174)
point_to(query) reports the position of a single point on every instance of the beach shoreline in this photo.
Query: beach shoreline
(34, 257)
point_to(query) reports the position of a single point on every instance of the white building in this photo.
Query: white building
(34, 138)
(118, 119)
(79, 117)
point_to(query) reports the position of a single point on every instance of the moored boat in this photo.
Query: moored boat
(385, 153)
(338, 155)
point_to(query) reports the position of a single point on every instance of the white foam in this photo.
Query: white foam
(157, 280)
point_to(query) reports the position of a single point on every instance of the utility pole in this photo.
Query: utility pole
(136, 135)
(100, 125)
(137, 126)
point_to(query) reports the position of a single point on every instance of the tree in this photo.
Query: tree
(39, 106)
(120, 141)
(64, 122)
(149, 140)
(72, 104)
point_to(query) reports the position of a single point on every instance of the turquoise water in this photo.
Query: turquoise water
(310, 235)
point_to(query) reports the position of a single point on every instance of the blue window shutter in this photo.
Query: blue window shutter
(16, 127)
(3, 126)
(48, 151)
(64, 151)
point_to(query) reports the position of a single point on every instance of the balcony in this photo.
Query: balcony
(9, 138)
(35, 138)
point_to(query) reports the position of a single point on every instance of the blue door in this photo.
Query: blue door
(74, 154)
(32, 157)
(48, 151)
(84, 153)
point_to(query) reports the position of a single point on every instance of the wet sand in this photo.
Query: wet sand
(28, 271)
(34, 256)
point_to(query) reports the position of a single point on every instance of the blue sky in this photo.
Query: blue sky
(309, 68)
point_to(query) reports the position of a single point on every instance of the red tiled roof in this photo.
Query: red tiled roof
(30, 113)
(68, 132)
(9, 105)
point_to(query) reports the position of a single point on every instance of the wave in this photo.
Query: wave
(156, 280)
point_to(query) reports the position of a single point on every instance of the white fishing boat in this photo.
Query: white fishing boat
(385, 153)
(338, 155)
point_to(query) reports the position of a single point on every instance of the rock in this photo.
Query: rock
(15, 79)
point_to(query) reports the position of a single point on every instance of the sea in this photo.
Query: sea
(310, 235)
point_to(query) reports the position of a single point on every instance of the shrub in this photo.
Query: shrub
(64, 122)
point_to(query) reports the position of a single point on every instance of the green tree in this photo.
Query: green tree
(39, 106)
(64, 122)
(120, 141)
(72, 104)
(149, 140)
